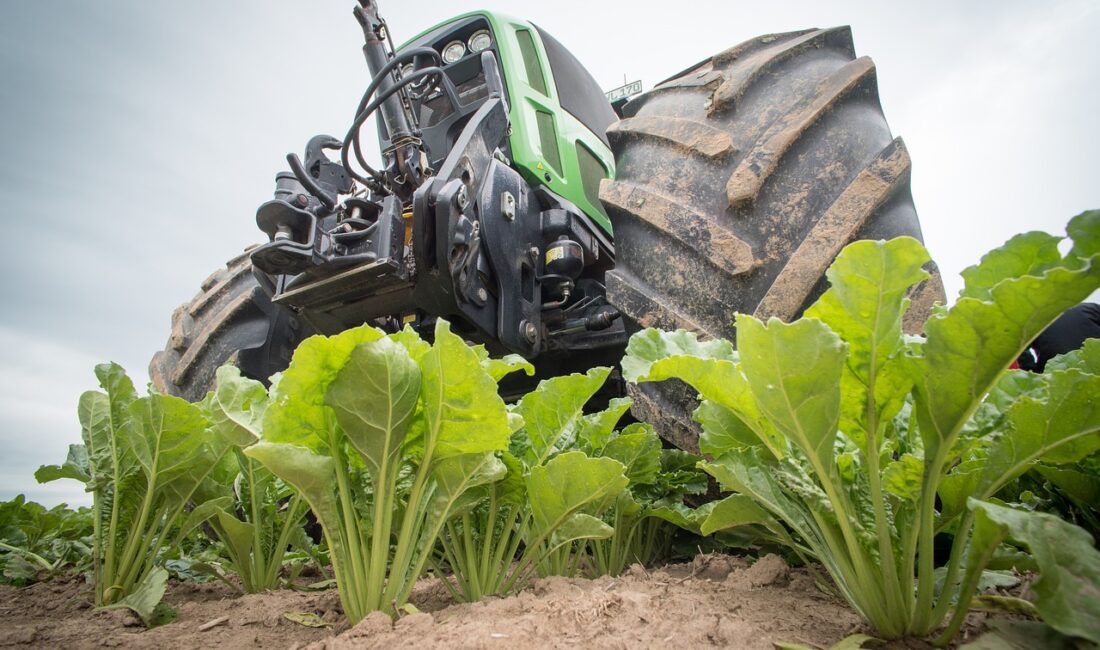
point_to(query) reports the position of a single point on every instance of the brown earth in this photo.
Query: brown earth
(714, 601)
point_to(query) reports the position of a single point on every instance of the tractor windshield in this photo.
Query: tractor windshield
(577, 90)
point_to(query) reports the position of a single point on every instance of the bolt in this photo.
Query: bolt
(283, 232)
(482, 294)
(460, 198)
(508, 206)
(301, 200)
(530, 332)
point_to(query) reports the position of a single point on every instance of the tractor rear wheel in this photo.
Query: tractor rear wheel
(737, 184)
(230, 320)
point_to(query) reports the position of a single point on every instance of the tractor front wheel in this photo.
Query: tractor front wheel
(737, 184)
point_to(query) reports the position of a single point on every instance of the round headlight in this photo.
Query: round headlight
(453, 51)
(480, 40)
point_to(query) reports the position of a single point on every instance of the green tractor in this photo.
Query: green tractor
(517, 202)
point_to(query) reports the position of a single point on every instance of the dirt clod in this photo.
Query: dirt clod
(768, 571)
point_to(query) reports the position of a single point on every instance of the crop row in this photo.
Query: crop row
(856, 449)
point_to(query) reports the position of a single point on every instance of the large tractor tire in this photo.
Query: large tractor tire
(231, 319)
(737, 184)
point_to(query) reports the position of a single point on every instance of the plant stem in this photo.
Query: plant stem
(294, 514)
(353, 545)
(257, 559)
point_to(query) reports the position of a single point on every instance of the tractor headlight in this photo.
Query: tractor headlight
(480, 40)
(453, 51)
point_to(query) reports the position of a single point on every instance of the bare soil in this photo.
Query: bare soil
(714, 601)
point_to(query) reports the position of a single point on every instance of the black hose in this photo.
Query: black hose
(390, 66)
(304, 177)
(352, 142)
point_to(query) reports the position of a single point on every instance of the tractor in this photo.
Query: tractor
(516, 201)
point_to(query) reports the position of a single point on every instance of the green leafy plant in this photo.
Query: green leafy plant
(649, 511)
(841, 431)
(38, 543)
(142, 459)
(258, 516)
(383, 436)
(537, 517)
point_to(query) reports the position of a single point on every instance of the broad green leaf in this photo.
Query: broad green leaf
(201, 513)
(639, 450)
(626, 506)
(971, 344)
(1069, 564)
(1062, 428)
(297, 413)
(1085, 358)
(747, 474)
(553, 412)
(959, 485)
(512, 488)
(676, 460)
(866, 300)
(500, 368)
(794, 372)
(463, 411)
(1029, 253)
(75, 467)
(411, 341)
(313, 475)
(690, 519)
(1084, 230)
(239, 535)
(711, 369)
(578, 527)
(168, 436)
(735, 510)
(568, 484)
(102, 417)
(456, 475)
(113, 380)
(902, 477)
(596, 428)
(238, 406)
(374, 397)
(651, 345)
(722, 431)
(1079, 485)
(143, 600)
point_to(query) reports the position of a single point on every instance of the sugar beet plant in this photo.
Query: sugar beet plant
(841, 432)
(37, 543)
(579, 496)
(647, 513)
(257, 516)
(142, 459)
(384, 436)
(535, 520)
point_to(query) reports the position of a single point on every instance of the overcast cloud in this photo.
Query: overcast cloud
(140, 137)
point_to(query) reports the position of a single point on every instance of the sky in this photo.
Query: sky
(141, 136)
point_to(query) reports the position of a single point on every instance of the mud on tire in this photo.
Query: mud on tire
(231, 319)
(739, 181)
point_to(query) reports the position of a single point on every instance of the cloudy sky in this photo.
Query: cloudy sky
(140, 138)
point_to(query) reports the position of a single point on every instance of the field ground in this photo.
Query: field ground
(713, 601)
